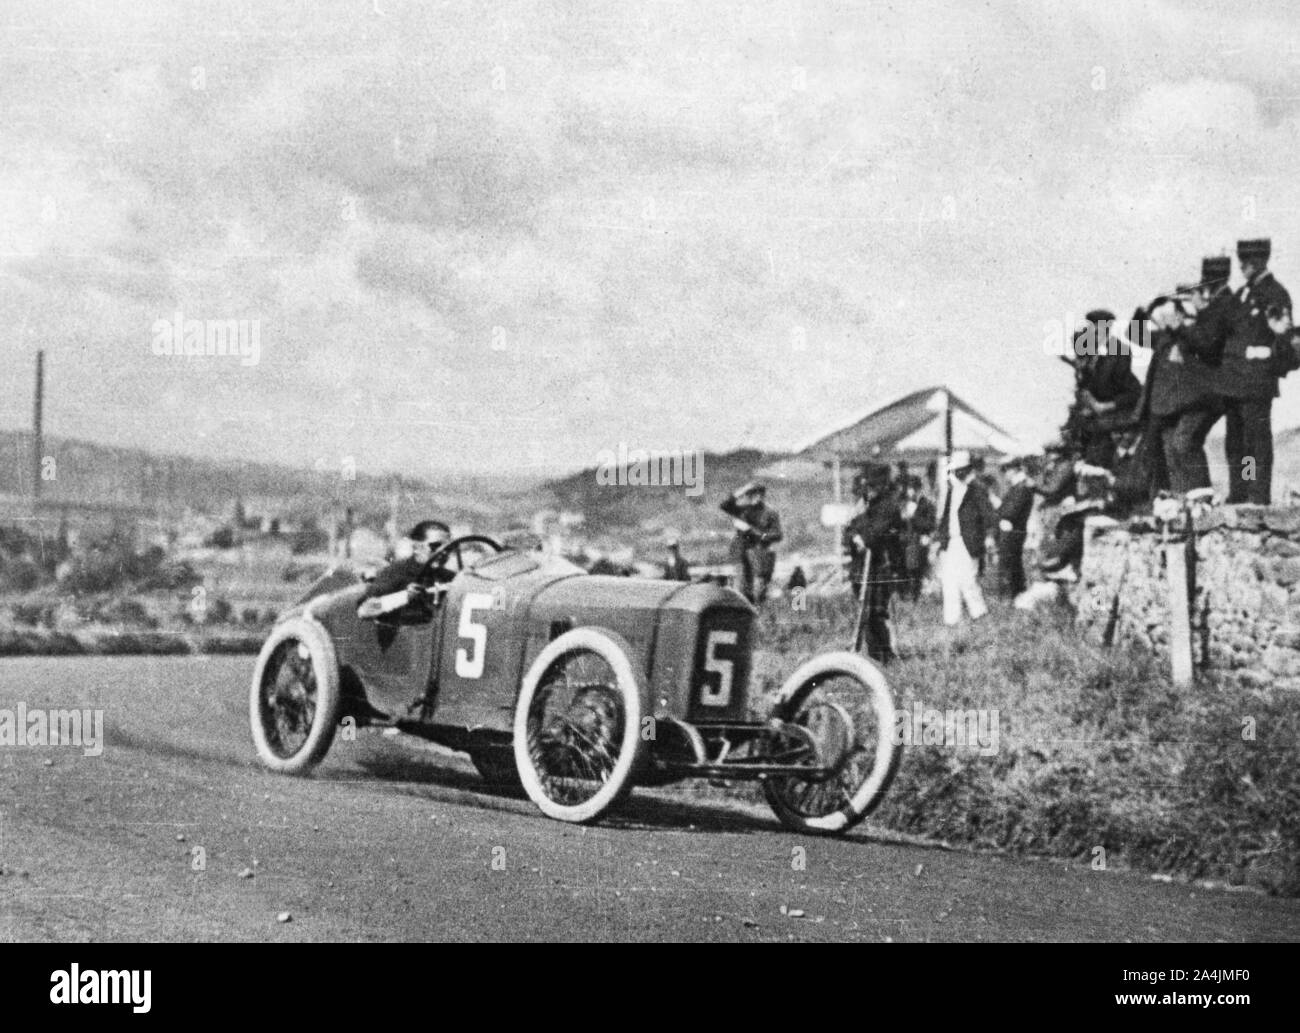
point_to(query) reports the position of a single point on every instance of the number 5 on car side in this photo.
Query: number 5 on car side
(577, 687)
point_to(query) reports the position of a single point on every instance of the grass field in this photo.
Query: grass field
(1098, 757)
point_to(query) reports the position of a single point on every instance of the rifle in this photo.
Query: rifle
(862, 602)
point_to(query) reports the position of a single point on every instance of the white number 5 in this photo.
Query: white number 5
(470, 665)
(715, 664)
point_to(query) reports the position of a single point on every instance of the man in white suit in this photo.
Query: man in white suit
(966, 521)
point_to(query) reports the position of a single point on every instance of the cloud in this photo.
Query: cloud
(720, 223)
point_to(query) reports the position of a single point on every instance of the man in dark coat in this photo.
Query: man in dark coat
(1106, 393)
(758, 528)
(676, 569)
(876, 529)
(1181, 399)
(919, 519)
(1013, 521)
(1258, 351)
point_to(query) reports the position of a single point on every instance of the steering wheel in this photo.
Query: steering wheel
(453, 546)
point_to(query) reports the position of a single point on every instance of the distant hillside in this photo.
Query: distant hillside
(639, 515)
(167, 484)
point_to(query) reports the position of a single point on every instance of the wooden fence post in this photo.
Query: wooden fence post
(1180, 619)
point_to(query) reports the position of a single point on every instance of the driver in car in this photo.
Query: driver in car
(425, 537)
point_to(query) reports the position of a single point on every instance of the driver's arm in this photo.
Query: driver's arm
(394, 578)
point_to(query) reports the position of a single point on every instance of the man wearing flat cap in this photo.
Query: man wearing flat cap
(1258, 350)
(758, 528)
(875, 531)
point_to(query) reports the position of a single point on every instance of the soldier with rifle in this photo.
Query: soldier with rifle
(873, 545)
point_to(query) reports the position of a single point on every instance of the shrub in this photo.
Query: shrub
(309, 539)
(171, 577)
(19, 575)
(119, 610)
(222, 538)
(37, 614)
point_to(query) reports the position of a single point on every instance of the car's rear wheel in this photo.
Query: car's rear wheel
(841, 710)
(577, 735)
(294, 701)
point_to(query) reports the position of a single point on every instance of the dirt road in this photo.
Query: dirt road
(174, 833)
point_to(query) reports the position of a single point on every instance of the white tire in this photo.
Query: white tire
(544, 748)
(876, 755)
(282, 695)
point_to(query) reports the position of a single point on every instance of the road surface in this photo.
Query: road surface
(174, 833)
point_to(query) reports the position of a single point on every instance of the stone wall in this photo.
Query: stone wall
(1244, 580)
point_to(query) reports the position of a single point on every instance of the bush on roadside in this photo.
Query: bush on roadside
(309, 539)
(20, 574)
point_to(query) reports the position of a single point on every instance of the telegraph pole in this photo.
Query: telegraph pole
(37, 419)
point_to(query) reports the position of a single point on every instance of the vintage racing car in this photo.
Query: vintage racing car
(577, 686)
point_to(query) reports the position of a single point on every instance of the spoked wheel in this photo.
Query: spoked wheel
(577, 734)
(840, 715)
(293, 705)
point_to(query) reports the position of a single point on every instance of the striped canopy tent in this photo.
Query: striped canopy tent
(918, 428)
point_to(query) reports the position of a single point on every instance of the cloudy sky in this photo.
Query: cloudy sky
(488, 235)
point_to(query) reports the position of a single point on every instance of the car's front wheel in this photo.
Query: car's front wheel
(577, 734)
(839, 709)
(294, 701)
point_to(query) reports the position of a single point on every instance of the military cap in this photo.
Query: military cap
(752, 488)
(1260, 247)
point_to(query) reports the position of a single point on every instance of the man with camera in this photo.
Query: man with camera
(1187, 333)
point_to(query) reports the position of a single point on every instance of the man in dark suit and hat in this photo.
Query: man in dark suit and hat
(1257, 352)
(876, 531)
(1107, 394)
(1013, 521)
(919, 519)
(758, 528)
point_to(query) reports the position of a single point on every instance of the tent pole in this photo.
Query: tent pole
(947, 423)
(837, 486)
